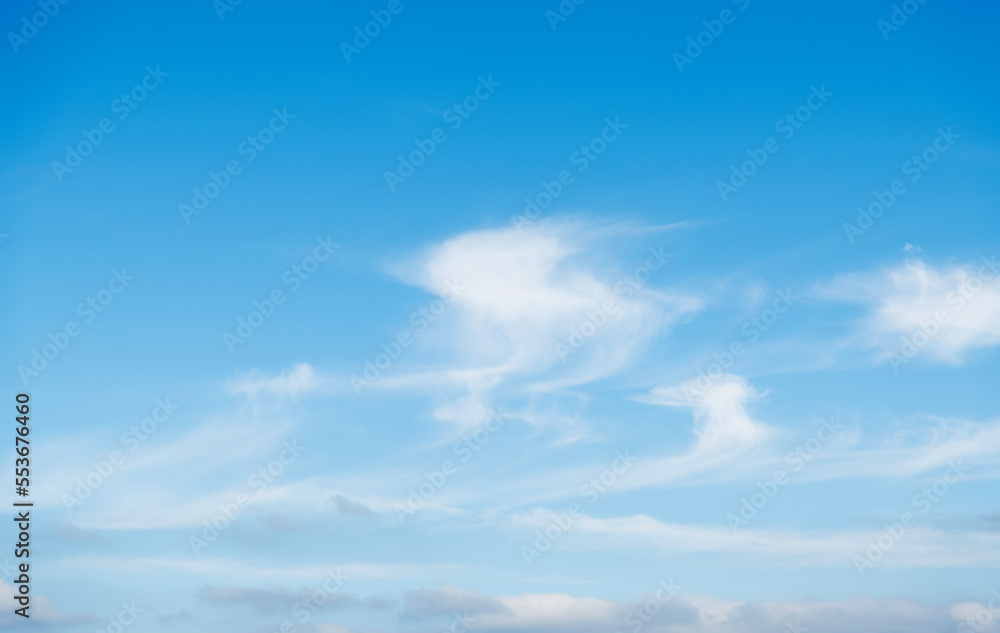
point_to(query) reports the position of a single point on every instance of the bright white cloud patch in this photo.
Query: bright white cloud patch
(916, 308)
(541, 306)
(719, 406)
(526, 292)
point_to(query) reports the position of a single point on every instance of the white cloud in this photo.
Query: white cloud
(659, 612)
(919, 547)
(725, 431)
(917, 449)
(240, 570)
(535, 311)
(975, 617)
(161, 481)
(300, 380)
(943, 312)
(719, 405)
(539, 309)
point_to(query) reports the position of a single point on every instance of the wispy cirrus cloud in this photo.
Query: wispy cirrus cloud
(920, 547)
(528, 295)
(300, 380)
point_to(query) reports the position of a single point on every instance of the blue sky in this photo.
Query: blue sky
(500, 321)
